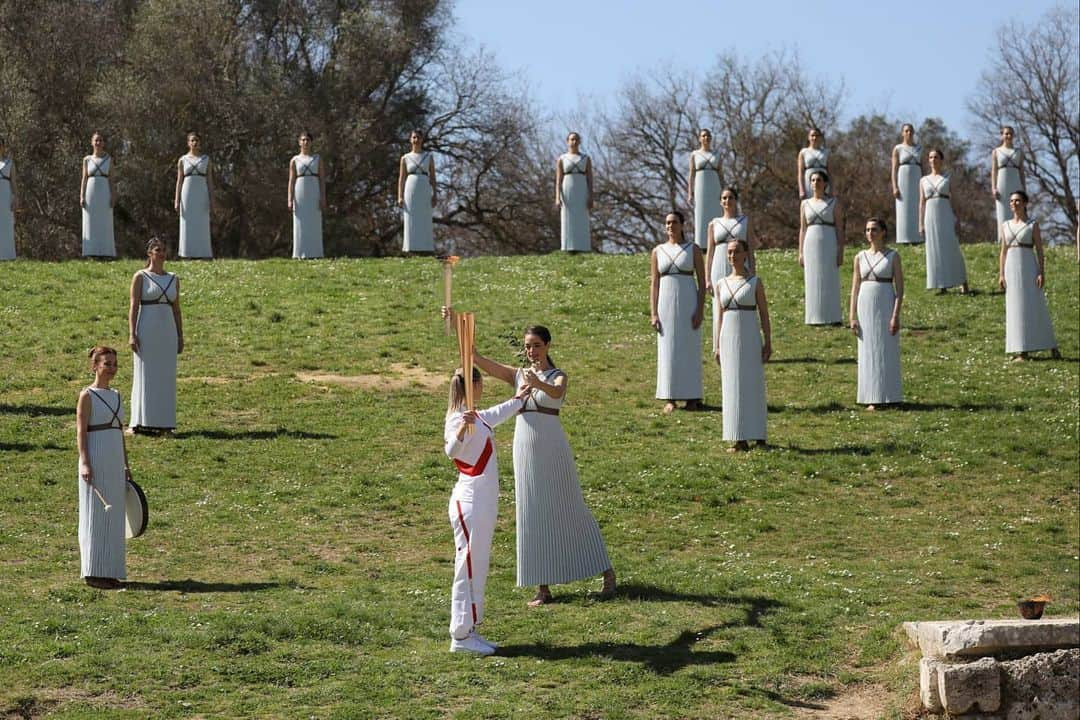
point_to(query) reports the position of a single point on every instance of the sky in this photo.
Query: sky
(911, 59)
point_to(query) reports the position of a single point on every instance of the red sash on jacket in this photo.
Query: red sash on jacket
(481, 462)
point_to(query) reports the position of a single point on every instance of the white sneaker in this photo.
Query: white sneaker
(471, 644)
(481, 638)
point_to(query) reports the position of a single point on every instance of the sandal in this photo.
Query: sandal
(542, 597)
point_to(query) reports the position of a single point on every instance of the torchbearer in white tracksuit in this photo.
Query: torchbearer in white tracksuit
(474, 504)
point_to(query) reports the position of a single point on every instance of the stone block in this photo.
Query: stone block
(966, 687)
(928, 689)
(965, 639)
(1042, 686)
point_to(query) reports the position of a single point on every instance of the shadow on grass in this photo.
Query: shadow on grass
(822, 409)
(971, 407)
(254, 435)
(196, 586)
(756, 606)
(661, 659)
(843, 449)
(807, 359)
(35, 410)
(28, 447)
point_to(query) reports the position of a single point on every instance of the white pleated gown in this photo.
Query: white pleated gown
(418, 233)
(724, 231)
(153, 382)
(195, 208)
(879, 350)
(742, 374)
(558, 540)
(706, 194)
(574, 216)
(7, 217)
(98, 239)
(678, 344)
(1008, 180)
(1028, 327)
(821, 274)
(908, 173)
(944, 261)
(813, 159)
(307, 213)
(101, 534)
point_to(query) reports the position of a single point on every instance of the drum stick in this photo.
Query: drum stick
(100, 497)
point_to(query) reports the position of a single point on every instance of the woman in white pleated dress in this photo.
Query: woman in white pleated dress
(821, 252)
(194, 200)
(813, 157)
(574, 195)
(944, 262)
(157, 337)
(9, 203)
(703, 187)
(558, 539)
(1022, 275)
(307, 199)
(742, 347)
(103, 469)
(97, 197)
(722, 230)
(677, 305)
(906, 173)
(877, 292)
(1006, 174)
(415, 196)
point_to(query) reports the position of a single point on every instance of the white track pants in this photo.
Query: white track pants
(474, 526)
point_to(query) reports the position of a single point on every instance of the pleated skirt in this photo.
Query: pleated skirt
(678, 345)
(307, 218)
(706, 205)
(742, 376)
(98, 239)
(879, 350)
(153, 382)
(907, 207)
(944, 261)
(558, 540)
(101, 534)
(821, 276)
(417, 228)
(195, 219)
(1008, 182)
(1028, 327)
(575, 213)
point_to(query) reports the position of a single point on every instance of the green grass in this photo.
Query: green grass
(298, 558)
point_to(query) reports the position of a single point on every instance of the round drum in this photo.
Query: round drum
(135, 511)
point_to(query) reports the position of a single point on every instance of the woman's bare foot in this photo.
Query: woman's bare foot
(542, 597)
(1020, 358)
(669, 407)
(739, 446)
(871, 408)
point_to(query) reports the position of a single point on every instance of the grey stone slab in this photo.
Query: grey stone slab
(953, 639)
(928, 687)
(970, 687)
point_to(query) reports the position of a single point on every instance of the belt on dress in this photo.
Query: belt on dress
(741, 307)
(155, 302)
(1019, 245)
(819, 222)
(102, 426)
(680, 272)
(935, 197)
(542, 410)
(877, 279)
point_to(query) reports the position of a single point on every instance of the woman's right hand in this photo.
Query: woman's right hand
(996, 194)
(133, 343)
(82, 203)
(1001, 281)
(85, 473)
(655, 322)
(854, 325)
(445, 311)
(896, 194)
(802, 260)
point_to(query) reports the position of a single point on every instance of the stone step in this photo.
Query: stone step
(958, 639)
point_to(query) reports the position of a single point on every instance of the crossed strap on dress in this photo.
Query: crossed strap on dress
(911, 157)
(577, 167)
(819, 218)
(872, 274)
(935, 188)
(7, 166)
(192, 169)
(729, 230)
(710, 162)
(732, 303)
(96, 171)
(818, 161)
(1013, 242)
(119, 425)
(306, 170)
(673, 268)
(164, 299)
(417, 167)
(536, 406)
(1007, 161)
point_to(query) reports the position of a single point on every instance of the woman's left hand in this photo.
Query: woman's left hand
(894, 325)
(1039, 280)
(179, 344)
(695, 319)
(766, 352)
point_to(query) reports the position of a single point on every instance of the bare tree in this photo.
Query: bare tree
(1033, 84)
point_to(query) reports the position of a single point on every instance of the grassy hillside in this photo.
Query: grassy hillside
(298, 558)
